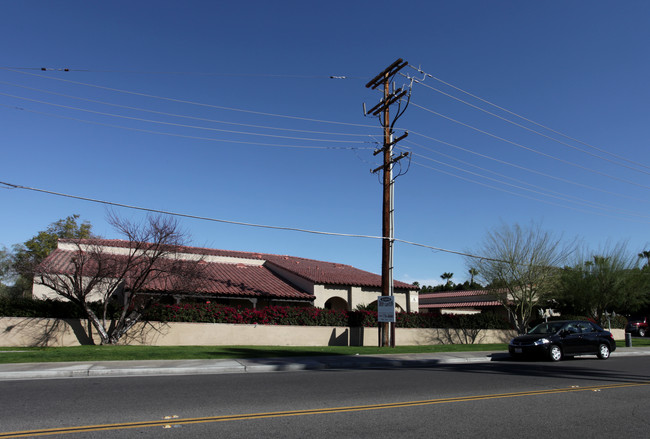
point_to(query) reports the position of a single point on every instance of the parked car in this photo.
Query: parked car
(638, 326)
(558, 339)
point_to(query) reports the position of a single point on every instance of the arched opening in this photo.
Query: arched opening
(336, 303)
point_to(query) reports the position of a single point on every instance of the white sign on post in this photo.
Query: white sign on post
(386, 309)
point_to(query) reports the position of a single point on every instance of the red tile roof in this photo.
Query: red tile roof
(239, 281)
(458, 299)
(232, 279)
(448, 294)
(217, 279)
(459, 304)
(318, 272)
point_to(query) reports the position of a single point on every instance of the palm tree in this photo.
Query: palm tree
(645, 255)
(447, 277)
(472, 272)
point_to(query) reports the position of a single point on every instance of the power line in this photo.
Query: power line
(189, 73)
(175, 124)
(210, 139)
(525, 118)
(522, 195)
(534, 131)
(487, 170)
(203, 119)
(527, 148)
(182, 101)
(523, 168)
(543, 191)
(239, 223)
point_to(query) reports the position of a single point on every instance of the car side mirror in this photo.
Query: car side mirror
(564, 333)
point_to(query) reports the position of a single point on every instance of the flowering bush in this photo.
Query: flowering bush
(272, 315)
(309, 316)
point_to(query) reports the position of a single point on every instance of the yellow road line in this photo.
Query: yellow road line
(242, 417)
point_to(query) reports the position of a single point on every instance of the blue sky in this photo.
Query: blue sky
(150, 115)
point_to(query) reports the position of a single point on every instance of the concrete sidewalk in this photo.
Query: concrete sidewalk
(23, 371)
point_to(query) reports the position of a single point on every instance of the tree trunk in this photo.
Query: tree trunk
(105, 339)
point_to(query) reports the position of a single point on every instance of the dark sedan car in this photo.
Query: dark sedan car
(566, 338)
(638, 326)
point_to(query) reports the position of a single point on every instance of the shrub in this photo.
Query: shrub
(24, 307)
(273, 315)
(486, 320)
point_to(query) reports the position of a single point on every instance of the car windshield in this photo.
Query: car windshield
(547, 328)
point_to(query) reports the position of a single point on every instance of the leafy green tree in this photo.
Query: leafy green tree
(520, 264)
(32, 252)
(5, 271)
(606, 281)
(5, 263)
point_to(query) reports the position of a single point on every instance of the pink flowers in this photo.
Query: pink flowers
(274, 315)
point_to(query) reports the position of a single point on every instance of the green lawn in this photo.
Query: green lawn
(121, 353)
(636, 342)
(117, 353)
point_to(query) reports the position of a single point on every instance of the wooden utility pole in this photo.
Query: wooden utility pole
(387, 330)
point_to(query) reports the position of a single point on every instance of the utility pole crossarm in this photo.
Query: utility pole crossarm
(392, 162)
(394, 142)
(386, 102)
(388, 72)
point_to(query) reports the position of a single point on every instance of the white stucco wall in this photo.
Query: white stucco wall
(354, 296)
(42, 292)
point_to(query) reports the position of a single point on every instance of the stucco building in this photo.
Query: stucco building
(249, 279)
(459, 302)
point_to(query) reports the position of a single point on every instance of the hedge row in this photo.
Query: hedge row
(285, 315)
(54, 309)
(275, 315)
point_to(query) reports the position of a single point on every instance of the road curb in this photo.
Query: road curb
(26, 371)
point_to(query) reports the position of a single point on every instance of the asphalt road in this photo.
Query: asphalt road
(579, 397)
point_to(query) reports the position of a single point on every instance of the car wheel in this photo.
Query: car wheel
(555, 353)
(641, 332)
(603, 352)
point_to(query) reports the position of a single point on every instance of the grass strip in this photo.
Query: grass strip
(125, 353)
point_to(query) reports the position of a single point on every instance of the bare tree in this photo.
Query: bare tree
(520, 266)
(95, 278)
